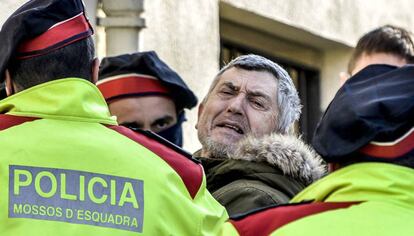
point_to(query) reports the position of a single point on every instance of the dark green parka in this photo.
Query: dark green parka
(263, 172)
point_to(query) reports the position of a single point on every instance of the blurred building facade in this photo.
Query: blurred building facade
(311, 39)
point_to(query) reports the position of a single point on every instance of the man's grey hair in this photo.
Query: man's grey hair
(287, 96)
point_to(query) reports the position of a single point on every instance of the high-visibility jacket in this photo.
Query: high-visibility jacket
(66, 168)
(361, 199)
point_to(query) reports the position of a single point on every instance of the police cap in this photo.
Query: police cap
(140, 74)
(372, 115)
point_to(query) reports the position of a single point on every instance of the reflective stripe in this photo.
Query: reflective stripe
(130, 85)
(58, 36)
(268, 220)
(190, 172)
(394, 149)
(7, 121)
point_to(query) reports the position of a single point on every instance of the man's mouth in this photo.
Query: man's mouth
(234, 127)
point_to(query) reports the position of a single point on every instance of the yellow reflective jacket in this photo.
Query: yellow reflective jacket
(386, 196)
(361, 199)
(66, 168)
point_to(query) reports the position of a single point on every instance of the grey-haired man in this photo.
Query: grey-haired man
(244, 122)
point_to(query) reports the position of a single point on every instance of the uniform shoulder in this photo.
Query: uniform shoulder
(188, 168)
(266, 220)
(8, 121)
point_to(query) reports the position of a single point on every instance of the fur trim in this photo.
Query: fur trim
(287, 152)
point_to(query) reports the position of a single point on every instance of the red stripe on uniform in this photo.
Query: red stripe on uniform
(57, 34)
(8, 121)
(266, 221)
(190, 172)
(399, 149)
(131, 85)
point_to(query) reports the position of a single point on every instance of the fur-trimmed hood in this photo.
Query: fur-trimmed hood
(286, 152)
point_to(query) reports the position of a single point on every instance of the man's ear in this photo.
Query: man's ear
(200, 110)
(9, 84)
(95, 70)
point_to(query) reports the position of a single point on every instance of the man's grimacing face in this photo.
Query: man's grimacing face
(242, 103)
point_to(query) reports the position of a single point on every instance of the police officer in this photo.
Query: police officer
(367, 134)
(145, 93)
(66, 167)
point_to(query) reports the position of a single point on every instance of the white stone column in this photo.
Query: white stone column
(122, 25)
(91, 6)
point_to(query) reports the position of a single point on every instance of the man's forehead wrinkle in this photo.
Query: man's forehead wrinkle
(255, 92)
(258, 93)
(230, 84)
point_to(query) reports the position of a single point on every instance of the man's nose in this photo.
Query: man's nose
(146, 126)
(236, 104)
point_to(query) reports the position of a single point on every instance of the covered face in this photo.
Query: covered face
(144, 93)
(155, 113)
(242, 103)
